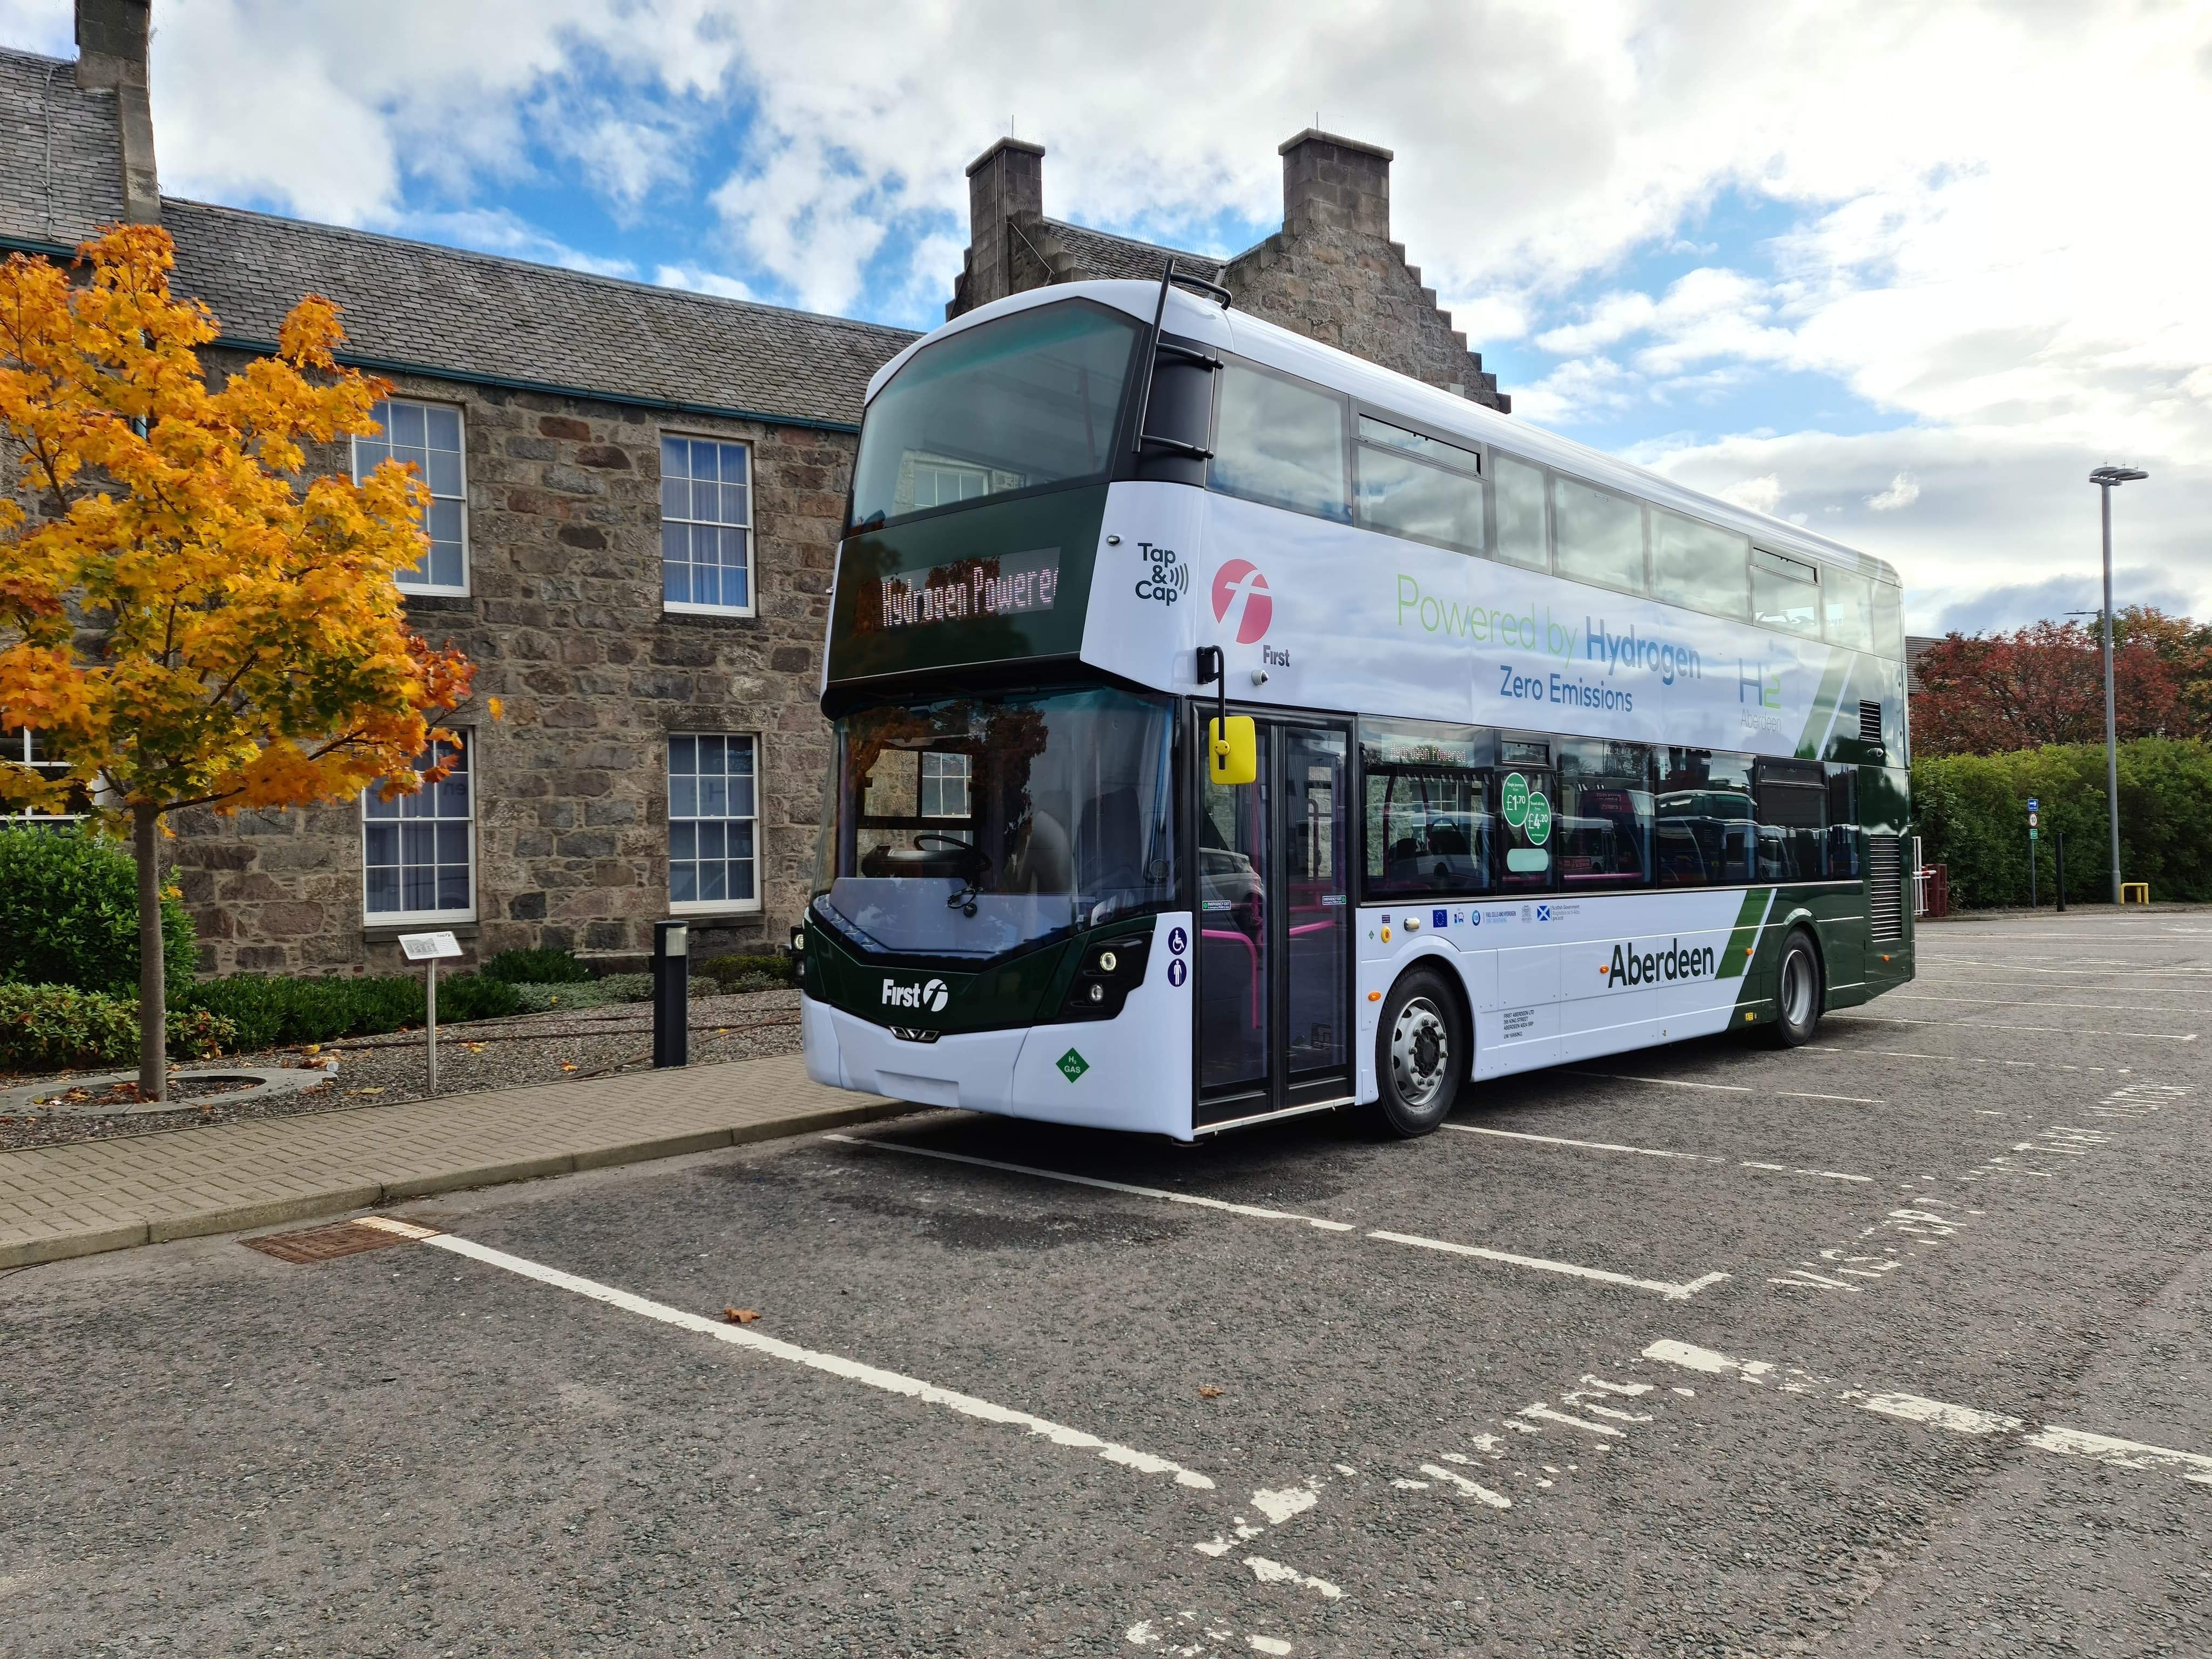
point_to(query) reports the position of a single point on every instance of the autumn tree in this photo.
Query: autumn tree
(2043, 684)
(188, 618)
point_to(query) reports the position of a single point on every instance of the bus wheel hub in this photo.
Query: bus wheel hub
(1418, 1051)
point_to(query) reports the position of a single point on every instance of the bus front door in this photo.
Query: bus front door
(1274, 982)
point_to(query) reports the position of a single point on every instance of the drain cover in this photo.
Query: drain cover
(324, 1243)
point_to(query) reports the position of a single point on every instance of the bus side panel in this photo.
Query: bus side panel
(1524, 1032)
(1639, 988)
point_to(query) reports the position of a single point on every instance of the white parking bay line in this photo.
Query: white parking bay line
(1941, 1414)
(1984, 1025)
(739, 1336)
(1253, 1210)
(1671, 1291)
(1727, 1088)
(1652, 1152)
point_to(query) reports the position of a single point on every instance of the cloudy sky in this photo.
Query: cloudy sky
(1902, 272)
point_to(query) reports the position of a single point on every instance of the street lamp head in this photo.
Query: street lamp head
(2106, 476)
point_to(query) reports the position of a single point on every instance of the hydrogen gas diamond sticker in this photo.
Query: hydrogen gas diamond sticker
(1072, 1065)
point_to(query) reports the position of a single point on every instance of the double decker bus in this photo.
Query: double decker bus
(1228, 728)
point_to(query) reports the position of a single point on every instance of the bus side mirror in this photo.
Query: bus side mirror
(1232, 750)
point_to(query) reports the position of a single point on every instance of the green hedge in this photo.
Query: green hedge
(541, 965)
(741, 973)
(1971, 813)
(270, 1012)
(44, 1027)
(69, 914)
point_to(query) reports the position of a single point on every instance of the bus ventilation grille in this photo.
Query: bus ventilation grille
(1870, 722)
(1886, 889)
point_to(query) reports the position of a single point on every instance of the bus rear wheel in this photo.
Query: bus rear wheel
(1421, 1053)
(1799, 992)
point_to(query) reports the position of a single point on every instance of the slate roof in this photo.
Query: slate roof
(61, 152)
(415, 305)
(1098, 253)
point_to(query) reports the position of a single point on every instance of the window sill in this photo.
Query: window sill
(672, 608)
(438, 599)
(385, 928)
(710, 908)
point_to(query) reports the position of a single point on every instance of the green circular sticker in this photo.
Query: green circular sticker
(1539, 827)
(1515, 803)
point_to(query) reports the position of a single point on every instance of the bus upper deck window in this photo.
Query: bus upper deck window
(1700, 566)
(1523, 535)
(1847, 606)
(1600, 536)
(1784, 593)
(1419, 488)
(1280, 441)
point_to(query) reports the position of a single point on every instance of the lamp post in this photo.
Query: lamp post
(2105, 477)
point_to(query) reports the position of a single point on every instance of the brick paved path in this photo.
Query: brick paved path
(58, 1201)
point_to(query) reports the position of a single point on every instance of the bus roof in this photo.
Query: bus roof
(1264, 342)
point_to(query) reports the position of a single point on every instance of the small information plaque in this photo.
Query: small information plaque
(430, 947)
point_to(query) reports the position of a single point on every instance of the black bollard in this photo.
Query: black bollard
(2058, 851)
(672, 994)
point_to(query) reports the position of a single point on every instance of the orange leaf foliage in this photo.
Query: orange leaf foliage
(186, 616)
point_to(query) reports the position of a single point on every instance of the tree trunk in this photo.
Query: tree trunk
(152, 1009)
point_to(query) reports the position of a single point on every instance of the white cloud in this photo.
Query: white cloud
(703, 281)
(1903, 490)
(2021, 289)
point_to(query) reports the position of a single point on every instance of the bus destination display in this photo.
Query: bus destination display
(1012, 585)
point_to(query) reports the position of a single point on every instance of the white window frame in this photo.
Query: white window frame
(22, 747)
(693, 608)
(468, 560)
(414, 918)
(750, 906)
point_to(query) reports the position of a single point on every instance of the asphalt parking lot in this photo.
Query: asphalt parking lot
(1893, 1345)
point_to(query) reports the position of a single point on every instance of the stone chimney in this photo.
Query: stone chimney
(1005, 179)
(111, 52)
(1333, 181)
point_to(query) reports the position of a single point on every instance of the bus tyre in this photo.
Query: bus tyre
(1421, 1053)
(1799, 993)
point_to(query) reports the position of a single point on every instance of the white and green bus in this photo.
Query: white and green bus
(1548, 757)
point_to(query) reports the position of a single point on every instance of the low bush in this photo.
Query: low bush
(46, 1027)
(270, 1013)
(745, 973)
(592, 993)
(69, 914)
(471, 996)
(541, 965)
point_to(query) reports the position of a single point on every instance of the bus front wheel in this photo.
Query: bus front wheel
(1799, 992)
(1421, 1053)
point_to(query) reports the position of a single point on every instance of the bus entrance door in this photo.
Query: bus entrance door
(1274, 986)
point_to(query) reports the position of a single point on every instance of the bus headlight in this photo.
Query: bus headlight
(1104, 976)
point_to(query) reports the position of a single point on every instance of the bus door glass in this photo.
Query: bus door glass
(1527, 791)
(1233, 1004)
(1317, 942)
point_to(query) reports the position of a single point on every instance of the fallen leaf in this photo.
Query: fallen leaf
(1207, 1391)
(739, 1316)
(313, 1048)
(567, 1065)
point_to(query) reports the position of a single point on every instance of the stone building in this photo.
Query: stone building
(638, 493)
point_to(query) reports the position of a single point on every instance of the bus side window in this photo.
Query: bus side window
(1280, 441)
(1418, 487)
(1702, 828)
(1843, 823)
(1696, 565)
(1603, 825)
(1600, 535)
(1523, 519)
(1793, 821)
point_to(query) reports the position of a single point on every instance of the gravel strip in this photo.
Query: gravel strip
(486, 1054)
